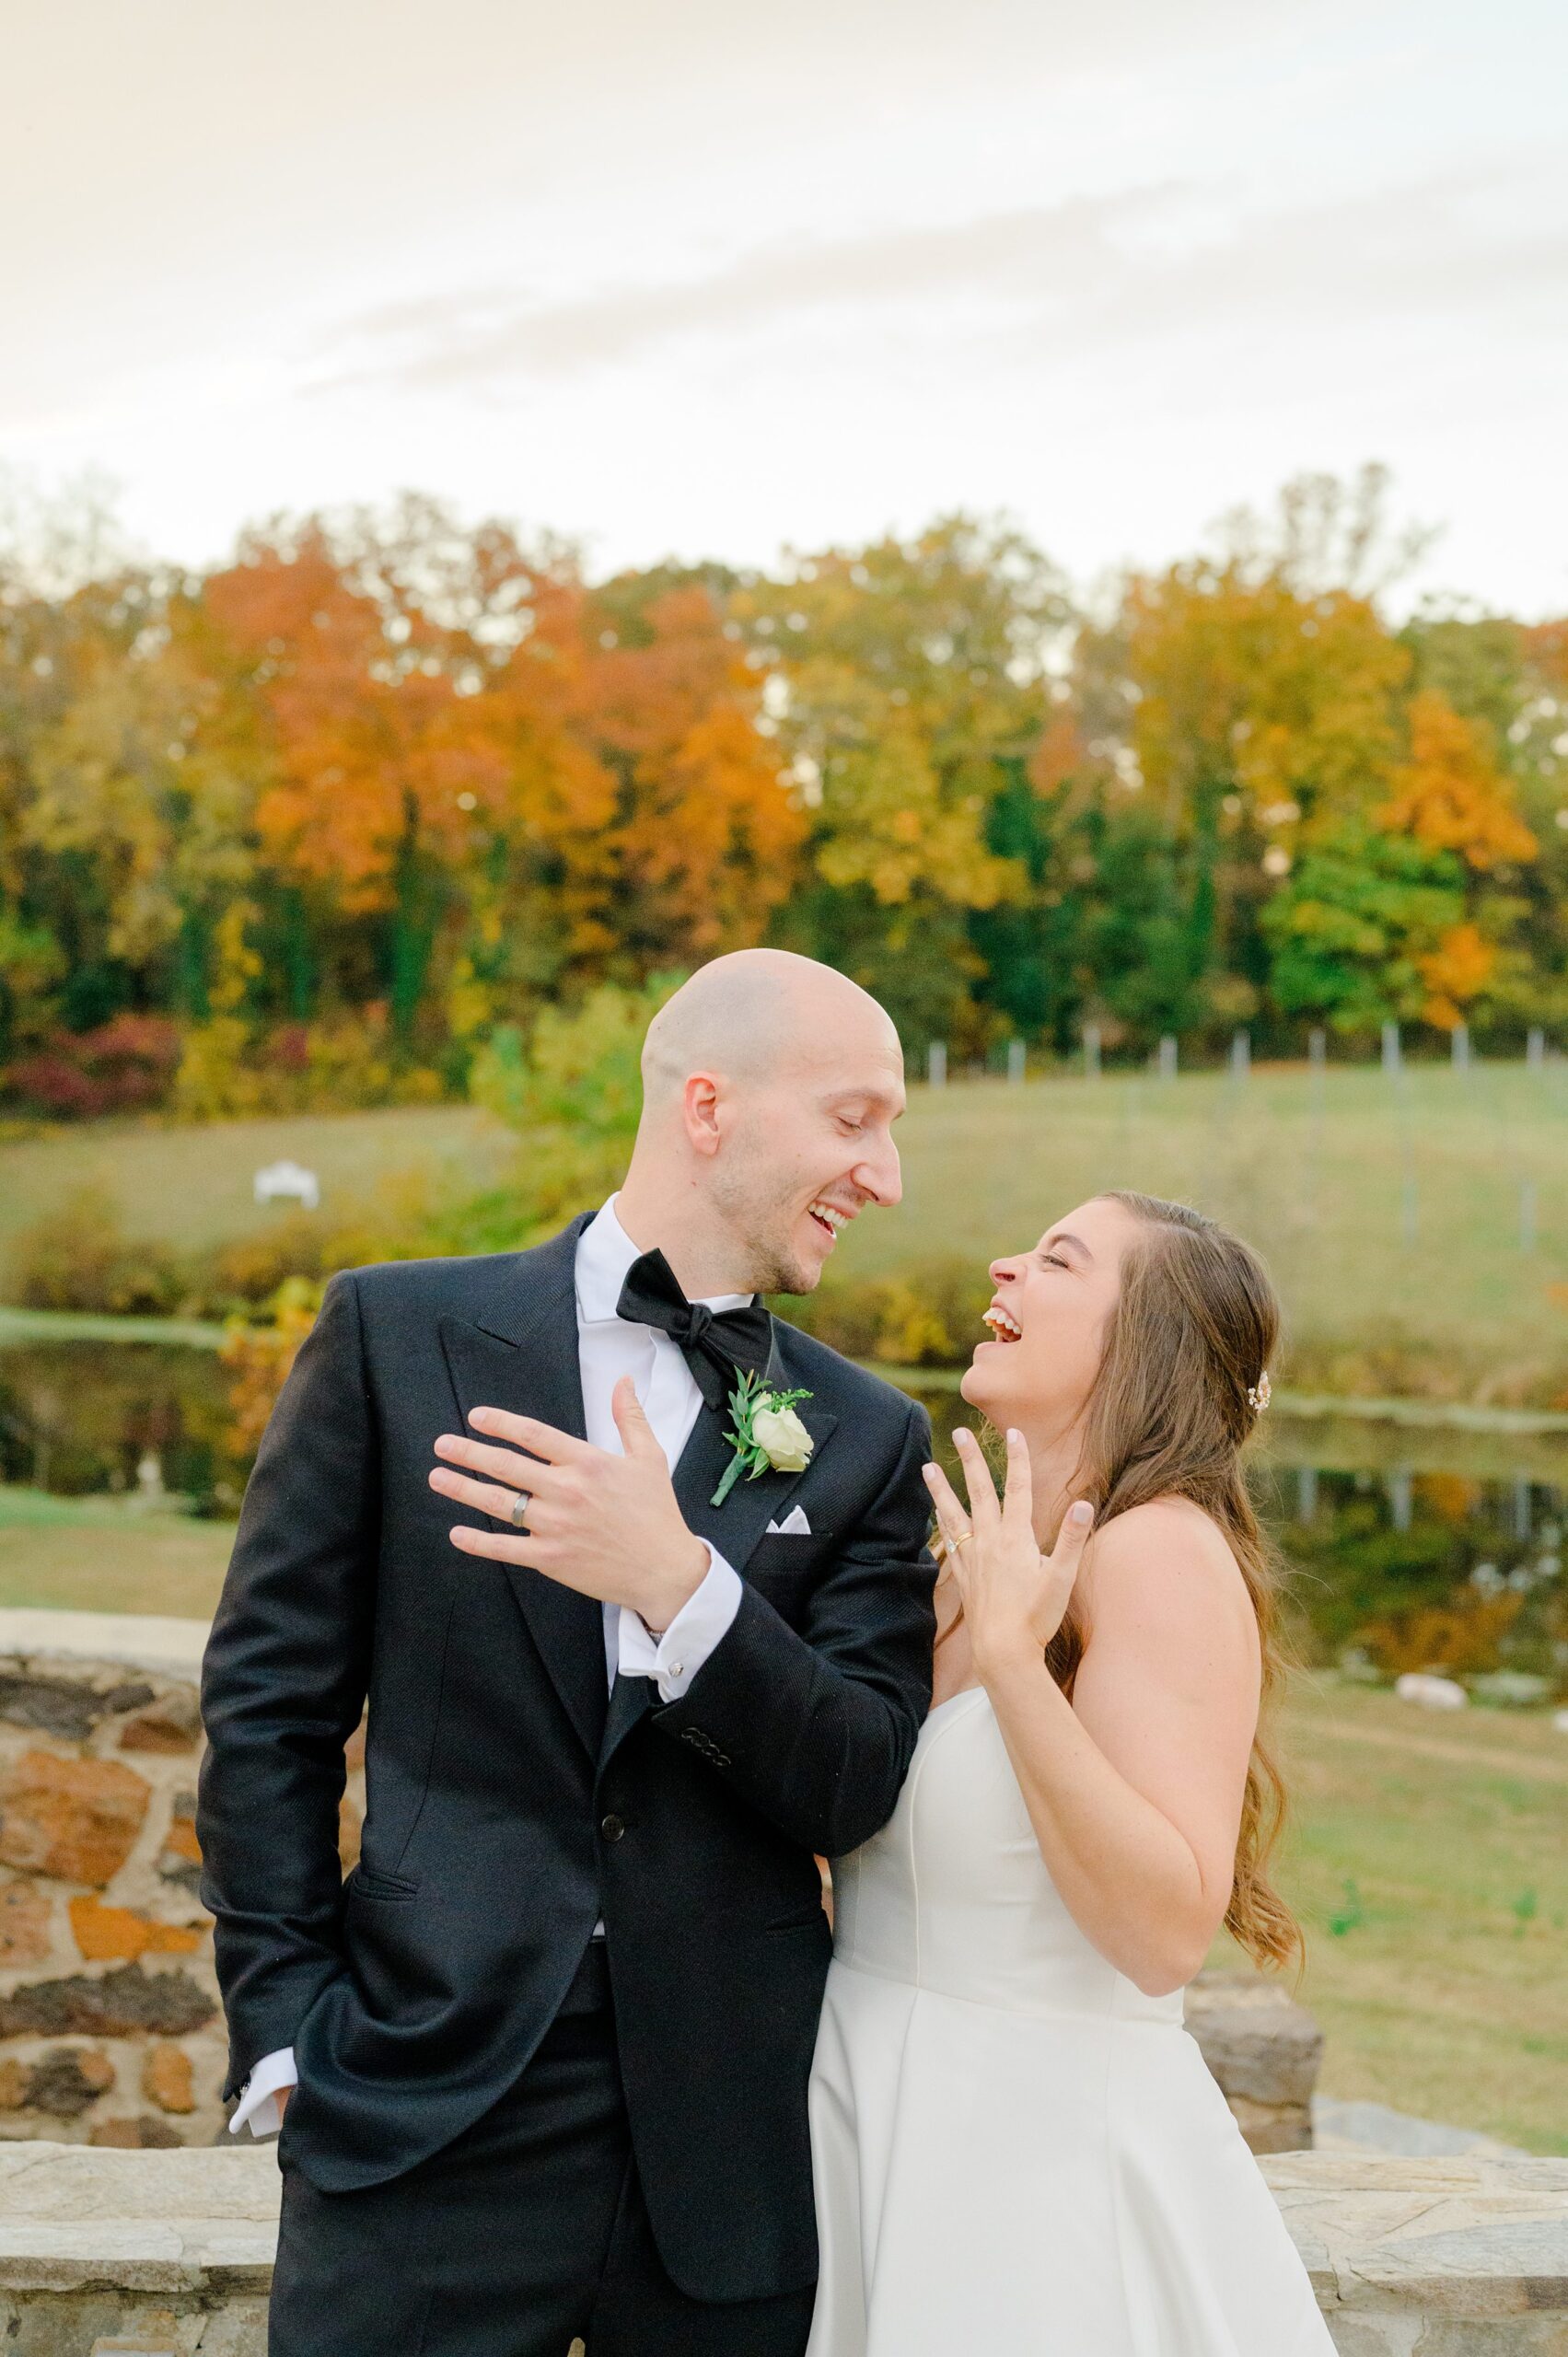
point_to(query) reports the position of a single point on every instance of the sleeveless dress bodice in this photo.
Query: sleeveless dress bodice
(1015, 2149)
(953, 1895)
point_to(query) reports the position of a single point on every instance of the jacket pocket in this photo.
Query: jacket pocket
(366, 1883)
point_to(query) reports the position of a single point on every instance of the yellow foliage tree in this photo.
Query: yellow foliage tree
(1451, 794)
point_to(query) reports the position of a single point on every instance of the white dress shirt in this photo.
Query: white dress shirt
(608, 1348)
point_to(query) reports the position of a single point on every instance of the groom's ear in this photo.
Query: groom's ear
(701, 1106)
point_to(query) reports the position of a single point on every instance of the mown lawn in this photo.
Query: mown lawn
(193, 1188)
(107, 1555)
(1428, 1861)
(1394, 1221)
(1419, 1232)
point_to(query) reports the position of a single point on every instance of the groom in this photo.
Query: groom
(544, 2055)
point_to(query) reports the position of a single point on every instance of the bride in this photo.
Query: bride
(1018, 2148)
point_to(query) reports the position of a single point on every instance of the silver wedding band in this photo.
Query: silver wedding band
(520, 1508)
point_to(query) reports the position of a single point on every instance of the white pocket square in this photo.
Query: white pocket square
(794, 1525)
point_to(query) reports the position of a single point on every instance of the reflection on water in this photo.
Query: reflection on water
(80, 1418)
(1408, 1540)
(1411, 1546)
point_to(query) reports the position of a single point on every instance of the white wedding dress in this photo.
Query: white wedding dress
(1018, 2154)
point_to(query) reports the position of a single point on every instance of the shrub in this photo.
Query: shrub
(576, 1093)
(251, 1268)
(126, 1066)
(258, 1356)
(79, 1257)
(228, 1071)
(930, 1316)
(1460, 1637)
(217, 1079)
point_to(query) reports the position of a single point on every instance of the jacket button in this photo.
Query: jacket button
(612, 1827)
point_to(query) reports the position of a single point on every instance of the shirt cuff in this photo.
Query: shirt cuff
(259, 2108)
(699, 1626)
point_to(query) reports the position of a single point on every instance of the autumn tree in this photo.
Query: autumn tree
(904, 681)
(1449, 795)
(705, 828)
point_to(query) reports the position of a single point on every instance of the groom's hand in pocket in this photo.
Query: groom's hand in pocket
(607, 1526)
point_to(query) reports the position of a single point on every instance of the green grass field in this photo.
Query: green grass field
(193, 1187)
(1419, 1234)
(107, 1555)
(1427, 1862)
(1393, 1221)
(1426, 1856)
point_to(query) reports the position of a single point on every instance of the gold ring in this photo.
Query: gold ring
(962, 1539)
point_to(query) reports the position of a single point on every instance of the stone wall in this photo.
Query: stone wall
(111, 2030)
(1461, 2257)
(171, 2252)
(1265, 2050)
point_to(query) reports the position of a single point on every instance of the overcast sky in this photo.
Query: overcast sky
(701, 279)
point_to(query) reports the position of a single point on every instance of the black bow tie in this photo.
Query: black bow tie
(718, 1344)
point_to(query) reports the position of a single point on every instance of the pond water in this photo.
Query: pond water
(1379, 1521)
(83, 1418)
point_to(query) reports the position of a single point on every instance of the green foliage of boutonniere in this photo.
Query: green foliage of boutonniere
(768, 1436)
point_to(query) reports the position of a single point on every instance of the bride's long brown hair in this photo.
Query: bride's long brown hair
(1192, 1331)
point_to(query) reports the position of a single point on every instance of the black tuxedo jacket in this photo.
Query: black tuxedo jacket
(511, 1802)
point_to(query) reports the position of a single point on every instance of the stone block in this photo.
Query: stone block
(172, 1722)
(180, 1859)
(125, 2003)
(167, 2078)
(1272, 2127)
(67, 2082)
(24, 1923)
(164, 2342)
(67, 1707)
(141, 2135)
(76, 1820)
(118, 1935)
(1264, 2051)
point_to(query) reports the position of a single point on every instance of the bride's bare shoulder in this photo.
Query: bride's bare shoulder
(1167, 1562)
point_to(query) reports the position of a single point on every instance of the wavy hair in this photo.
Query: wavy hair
(1192, 1331)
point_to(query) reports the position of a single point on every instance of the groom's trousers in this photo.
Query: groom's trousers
(527, 2231)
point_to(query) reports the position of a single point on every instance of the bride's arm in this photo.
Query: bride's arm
(1135, 1788)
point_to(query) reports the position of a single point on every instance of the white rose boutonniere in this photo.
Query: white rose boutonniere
(768, 1436)
(784, 1439)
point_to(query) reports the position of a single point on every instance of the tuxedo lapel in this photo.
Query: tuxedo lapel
(524, 1357)
(735, 1528)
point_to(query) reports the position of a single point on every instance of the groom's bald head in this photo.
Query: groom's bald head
(750, 1014)
(770, 1087)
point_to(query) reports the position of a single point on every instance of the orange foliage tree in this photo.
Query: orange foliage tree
(1451, 796)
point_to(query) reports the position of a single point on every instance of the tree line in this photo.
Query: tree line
(317, 824)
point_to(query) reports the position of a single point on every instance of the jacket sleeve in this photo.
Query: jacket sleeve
(283, 1686)
(816, 1728)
